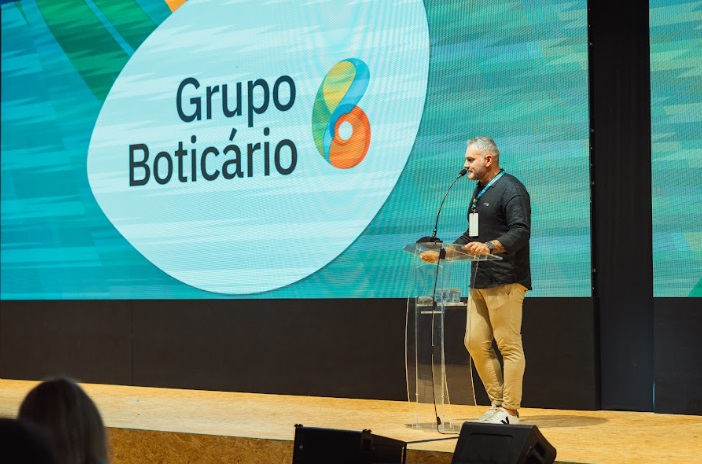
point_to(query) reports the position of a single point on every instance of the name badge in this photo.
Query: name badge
(473, 224)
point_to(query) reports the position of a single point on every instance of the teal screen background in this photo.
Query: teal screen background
(516, 71)
(676, 150)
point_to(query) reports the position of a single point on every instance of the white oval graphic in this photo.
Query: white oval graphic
(204, 156)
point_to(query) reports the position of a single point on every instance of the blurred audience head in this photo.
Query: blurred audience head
(22, 443)
(70, 418)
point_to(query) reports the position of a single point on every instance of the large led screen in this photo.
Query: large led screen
(676, 149)
(267, 149)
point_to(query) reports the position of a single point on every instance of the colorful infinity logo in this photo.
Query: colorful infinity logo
(340, 128)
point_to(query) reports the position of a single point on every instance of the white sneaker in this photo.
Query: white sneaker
(501, 416)
(488, 414)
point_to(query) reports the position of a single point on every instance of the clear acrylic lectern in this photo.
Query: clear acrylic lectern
(438, 367)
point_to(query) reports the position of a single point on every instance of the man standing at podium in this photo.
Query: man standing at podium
(499, 222)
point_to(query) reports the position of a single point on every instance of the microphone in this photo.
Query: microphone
(434, 239)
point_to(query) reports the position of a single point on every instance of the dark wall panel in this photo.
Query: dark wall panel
(87, 340)
(678, 348)
(339, 348)
(344, 348)
(621, 198)
(561, 353)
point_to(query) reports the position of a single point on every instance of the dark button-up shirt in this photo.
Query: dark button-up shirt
(504, 214)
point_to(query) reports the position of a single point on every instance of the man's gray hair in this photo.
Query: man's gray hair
(485, 144)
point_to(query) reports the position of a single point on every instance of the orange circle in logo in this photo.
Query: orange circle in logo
(348, 153)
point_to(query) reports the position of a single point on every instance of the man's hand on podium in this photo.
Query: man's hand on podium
(480, 248)
(429, 256)
(476, 248)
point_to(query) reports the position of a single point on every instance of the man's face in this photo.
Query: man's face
(477, 163)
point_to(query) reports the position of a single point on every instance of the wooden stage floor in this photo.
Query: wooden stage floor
(156, 425)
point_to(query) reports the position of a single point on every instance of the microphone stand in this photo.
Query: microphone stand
(435, 242)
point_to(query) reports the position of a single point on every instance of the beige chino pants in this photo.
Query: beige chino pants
(497, 313)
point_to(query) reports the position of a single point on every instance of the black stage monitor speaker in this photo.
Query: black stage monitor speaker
(481, 443)
(329, 446)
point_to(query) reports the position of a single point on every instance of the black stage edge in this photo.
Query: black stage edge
(620, 142)
(334, 348)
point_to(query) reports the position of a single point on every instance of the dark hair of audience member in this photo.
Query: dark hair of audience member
(22, 443)
(62, 408)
